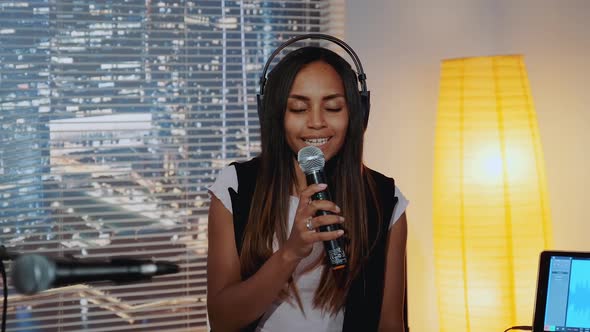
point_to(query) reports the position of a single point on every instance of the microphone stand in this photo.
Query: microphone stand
(5, 255)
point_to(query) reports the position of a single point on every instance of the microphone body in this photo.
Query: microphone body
(334, 248)
(311, 160)
(36, 273)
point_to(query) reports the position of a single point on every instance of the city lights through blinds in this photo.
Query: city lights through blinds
(115, 117)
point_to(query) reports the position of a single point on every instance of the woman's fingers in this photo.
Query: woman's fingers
(311, 206)
(305, 194)
(315, 206)
(326, 220)
(303, 234)
(325, 236)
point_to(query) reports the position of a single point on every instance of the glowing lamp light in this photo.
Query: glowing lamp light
(491, 210)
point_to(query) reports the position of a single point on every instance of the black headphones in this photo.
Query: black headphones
(362, 78)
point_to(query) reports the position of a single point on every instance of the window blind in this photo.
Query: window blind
(115, 116)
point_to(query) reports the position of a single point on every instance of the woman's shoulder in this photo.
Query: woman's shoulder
(378, 176)
(229, 171)
(226, 178)
(387, 185)
(246, 165)
(236, 175)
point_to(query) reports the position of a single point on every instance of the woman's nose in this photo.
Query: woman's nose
(315, 118)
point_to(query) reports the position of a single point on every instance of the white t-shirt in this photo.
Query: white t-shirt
(284, 316)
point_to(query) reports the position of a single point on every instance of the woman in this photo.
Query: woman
(266, 268)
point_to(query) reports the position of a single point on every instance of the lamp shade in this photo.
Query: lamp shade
(491, 210)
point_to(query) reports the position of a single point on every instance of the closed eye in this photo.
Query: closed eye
(297, 110)
(333, 109)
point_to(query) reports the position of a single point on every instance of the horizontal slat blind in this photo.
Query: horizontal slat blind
(115, 116)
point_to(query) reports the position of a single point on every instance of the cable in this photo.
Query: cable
(5, 286)
(520, 327)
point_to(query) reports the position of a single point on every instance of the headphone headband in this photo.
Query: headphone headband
(362, 78)
(357, 63)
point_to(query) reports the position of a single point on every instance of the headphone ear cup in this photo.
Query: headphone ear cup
(366, 105)
(259, 107)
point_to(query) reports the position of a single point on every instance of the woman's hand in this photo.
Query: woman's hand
(301, 240)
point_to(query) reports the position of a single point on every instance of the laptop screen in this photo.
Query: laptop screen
(567, 299)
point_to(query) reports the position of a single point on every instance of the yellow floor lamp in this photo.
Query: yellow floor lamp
(491, 210)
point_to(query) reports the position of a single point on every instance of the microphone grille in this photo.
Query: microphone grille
(32, 274)
(311, 159)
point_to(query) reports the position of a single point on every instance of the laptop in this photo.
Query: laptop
(563, 292)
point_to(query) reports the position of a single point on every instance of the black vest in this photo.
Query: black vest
(364, 299)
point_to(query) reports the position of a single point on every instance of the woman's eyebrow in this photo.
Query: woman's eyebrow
(332, 96)
(299, 97)
(305, 98)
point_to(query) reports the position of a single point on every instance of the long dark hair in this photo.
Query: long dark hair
(276, 177)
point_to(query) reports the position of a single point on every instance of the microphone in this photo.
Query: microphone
(36, 273)
(312, 161)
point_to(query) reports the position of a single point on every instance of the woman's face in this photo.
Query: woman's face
(317, 113)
